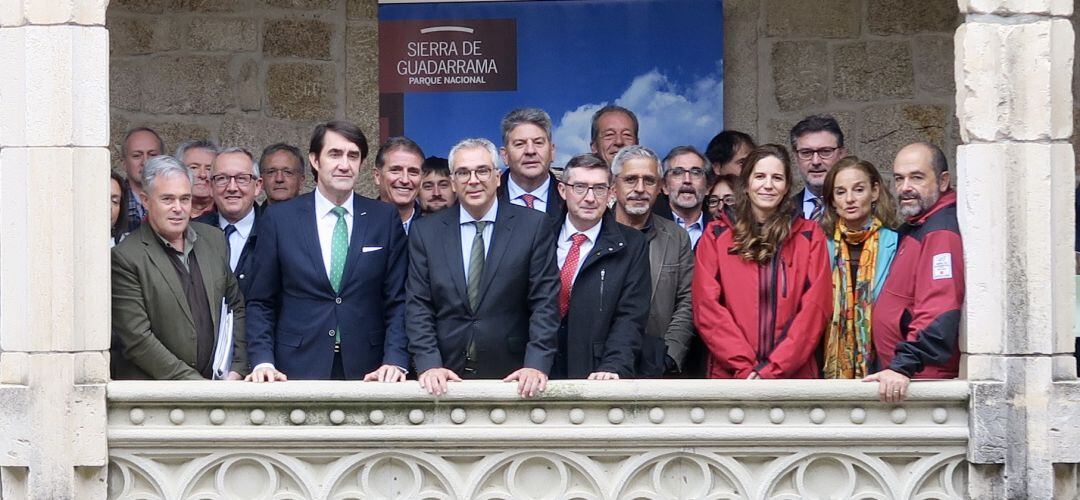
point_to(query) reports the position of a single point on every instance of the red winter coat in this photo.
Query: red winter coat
(917, 315)
(735, 298)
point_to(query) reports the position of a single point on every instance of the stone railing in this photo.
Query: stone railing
(588, 440)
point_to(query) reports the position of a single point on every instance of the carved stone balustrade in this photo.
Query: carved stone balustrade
(589, 440)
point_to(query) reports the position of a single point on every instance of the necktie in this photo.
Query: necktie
(529, 199)
(567, 273)
(229, 231)
(818, 209)
(339, 251)
(476, 265)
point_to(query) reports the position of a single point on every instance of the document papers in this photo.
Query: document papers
(223, 347)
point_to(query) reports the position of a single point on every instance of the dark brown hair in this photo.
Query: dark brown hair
(754, 241)
(884, 209)
(122, 222)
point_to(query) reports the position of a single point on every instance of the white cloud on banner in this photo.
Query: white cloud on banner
(669, 115)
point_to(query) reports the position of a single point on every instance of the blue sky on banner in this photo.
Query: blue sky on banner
(660, 58)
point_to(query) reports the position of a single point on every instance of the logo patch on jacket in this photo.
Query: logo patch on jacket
(943, 266)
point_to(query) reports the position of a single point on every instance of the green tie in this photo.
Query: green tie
(339, 250)
(476, 265)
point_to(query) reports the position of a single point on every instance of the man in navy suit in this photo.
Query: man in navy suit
(234, 182)
(328, 296)
(527, 152)
(483, 284)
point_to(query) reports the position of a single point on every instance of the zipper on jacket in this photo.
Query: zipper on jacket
(603, 272)
(783, 276)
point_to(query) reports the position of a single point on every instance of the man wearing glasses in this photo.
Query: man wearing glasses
(686, 183)
(282, 167)
(234, 183)
(604, 270)
(818, 143)
(483, 285)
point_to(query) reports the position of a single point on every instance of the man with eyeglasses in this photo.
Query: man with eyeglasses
(234, 183)
(604, 270)
(483, 284)
(818, 143)
(282, 167)
(686, 183)
(669, 331)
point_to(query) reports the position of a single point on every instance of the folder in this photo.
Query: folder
(223, 346)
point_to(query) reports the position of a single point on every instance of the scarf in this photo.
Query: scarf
(848, 347)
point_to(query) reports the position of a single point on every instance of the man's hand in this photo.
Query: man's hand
(234, 376)
(385, 373)
(603, 376)
(266, 374)
(530, 381)
(892, 386)
(434, 380)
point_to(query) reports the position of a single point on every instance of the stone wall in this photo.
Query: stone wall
(243, 72)
(884, 68)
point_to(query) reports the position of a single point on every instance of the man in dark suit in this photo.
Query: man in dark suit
(686, 183)
(817, 143)
(527, 152)
(328, 292)
(605, 292)
(169, 278)
(398, 175)
(234, 183)
(482, 284)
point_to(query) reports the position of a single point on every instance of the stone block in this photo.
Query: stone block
(368, 9)
(1012, 7)
(303, 92)
(208, 5)
(187, 85)
(78, 12)
(885, 128)
(800, 74)
(825, 18)
(902, 17)
(247, 77)
(307, 39)
(254, 132)
(91, 367)
(989, 419)
(741, 72)
(43, 67)
(934, 59)
(1014, 80)
(15, 368)
(222, 34)
(177, 131)
(142, 6)
(362, 76)
(125, 84)
(871, 71)
(140, 35)
(302, 4)
(779, 130)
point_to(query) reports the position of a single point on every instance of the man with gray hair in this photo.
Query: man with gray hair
(527, 152)
(282, 167)
(669, 332)
(235, 179)
(169, 279)
(198, 155)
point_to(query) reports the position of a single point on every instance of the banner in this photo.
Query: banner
(451, 70)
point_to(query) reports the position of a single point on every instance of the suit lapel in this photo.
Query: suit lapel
(657, 254)
(308, 226)
(156, 252)
(356, 240)
(452, 235)
(500, 240)
(249, 244)
(207, 262)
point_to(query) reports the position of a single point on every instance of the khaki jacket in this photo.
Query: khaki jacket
(670, 327)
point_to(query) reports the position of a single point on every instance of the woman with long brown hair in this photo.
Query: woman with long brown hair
(762, 292)
(859, 217)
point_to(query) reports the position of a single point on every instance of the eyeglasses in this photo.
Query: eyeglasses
(824, 153)
(289, 174)
(222, 180)
(695, 172)
(464, 174)
(713, 201)
(580, 189)
(633, 180)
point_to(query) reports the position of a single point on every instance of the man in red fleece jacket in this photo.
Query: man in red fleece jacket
(916, 318)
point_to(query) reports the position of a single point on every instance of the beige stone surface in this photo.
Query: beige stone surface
(213, 33)
(885, 128)
(187, 84)
(824, 18)
(361, 83)
(301, 4)
(143, 6)
(933, 58)
(209, 5)
(306, 39)
(800, 74)
(255, 132)
(889, 17)
(249, 94)
(301, 91)
(872, 70)
(1007, 7)
(740, 69)
(362, 9)
(132, 35)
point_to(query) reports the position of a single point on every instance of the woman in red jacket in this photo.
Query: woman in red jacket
(762, 289)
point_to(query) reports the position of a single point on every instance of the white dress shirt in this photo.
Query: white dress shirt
(468, 231)
(808, 203)
(325, 220)
(566, 241)
(514, 192)
(694, 229)
(238, 239)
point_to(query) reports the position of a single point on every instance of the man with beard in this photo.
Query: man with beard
(436, 191)
(818, 143)
(916, 318)
(669, 331)
(686, 184)
(397, 175)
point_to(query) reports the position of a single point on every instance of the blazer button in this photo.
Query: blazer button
(331, 333)
(337, 300)
(241, 276)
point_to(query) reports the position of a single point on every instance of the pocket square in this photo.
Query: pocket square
(370, 249)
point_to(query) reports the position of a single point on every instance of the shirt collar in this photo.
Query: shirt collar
(465, 218)
(514, 191)
(700, 220)
(808, 197)
(569, 230)
(243, 226)
(189, 239)
(323, 206)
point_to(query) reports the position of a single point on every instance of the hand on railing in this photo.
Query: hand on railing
(892, 386)
(434, 380)
(386, 373)
(266, 374)
(603, 376)
(530, 381)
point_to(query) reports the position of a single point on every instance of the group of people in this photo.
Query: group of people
(620, 264)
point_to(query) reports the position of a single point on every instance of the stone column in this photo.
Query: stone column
(54, 261)
(1014, 61)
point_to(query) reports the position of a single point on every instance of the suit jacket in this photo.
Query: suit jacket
(515, 323)
(247, 256)
(670, 328)
(556, 206)
(153, 331)
(609, 304)
(293, 311)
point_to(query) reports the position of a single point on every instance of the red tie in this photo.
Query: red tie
(529, 199)
(567, 273)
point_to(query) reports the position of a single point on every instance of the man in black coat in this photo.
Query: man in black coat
(234, 183)
(482, 286)
(604, 270)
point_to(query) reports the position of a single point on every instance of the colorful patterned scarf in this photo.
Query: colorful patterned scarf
(849, 349)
